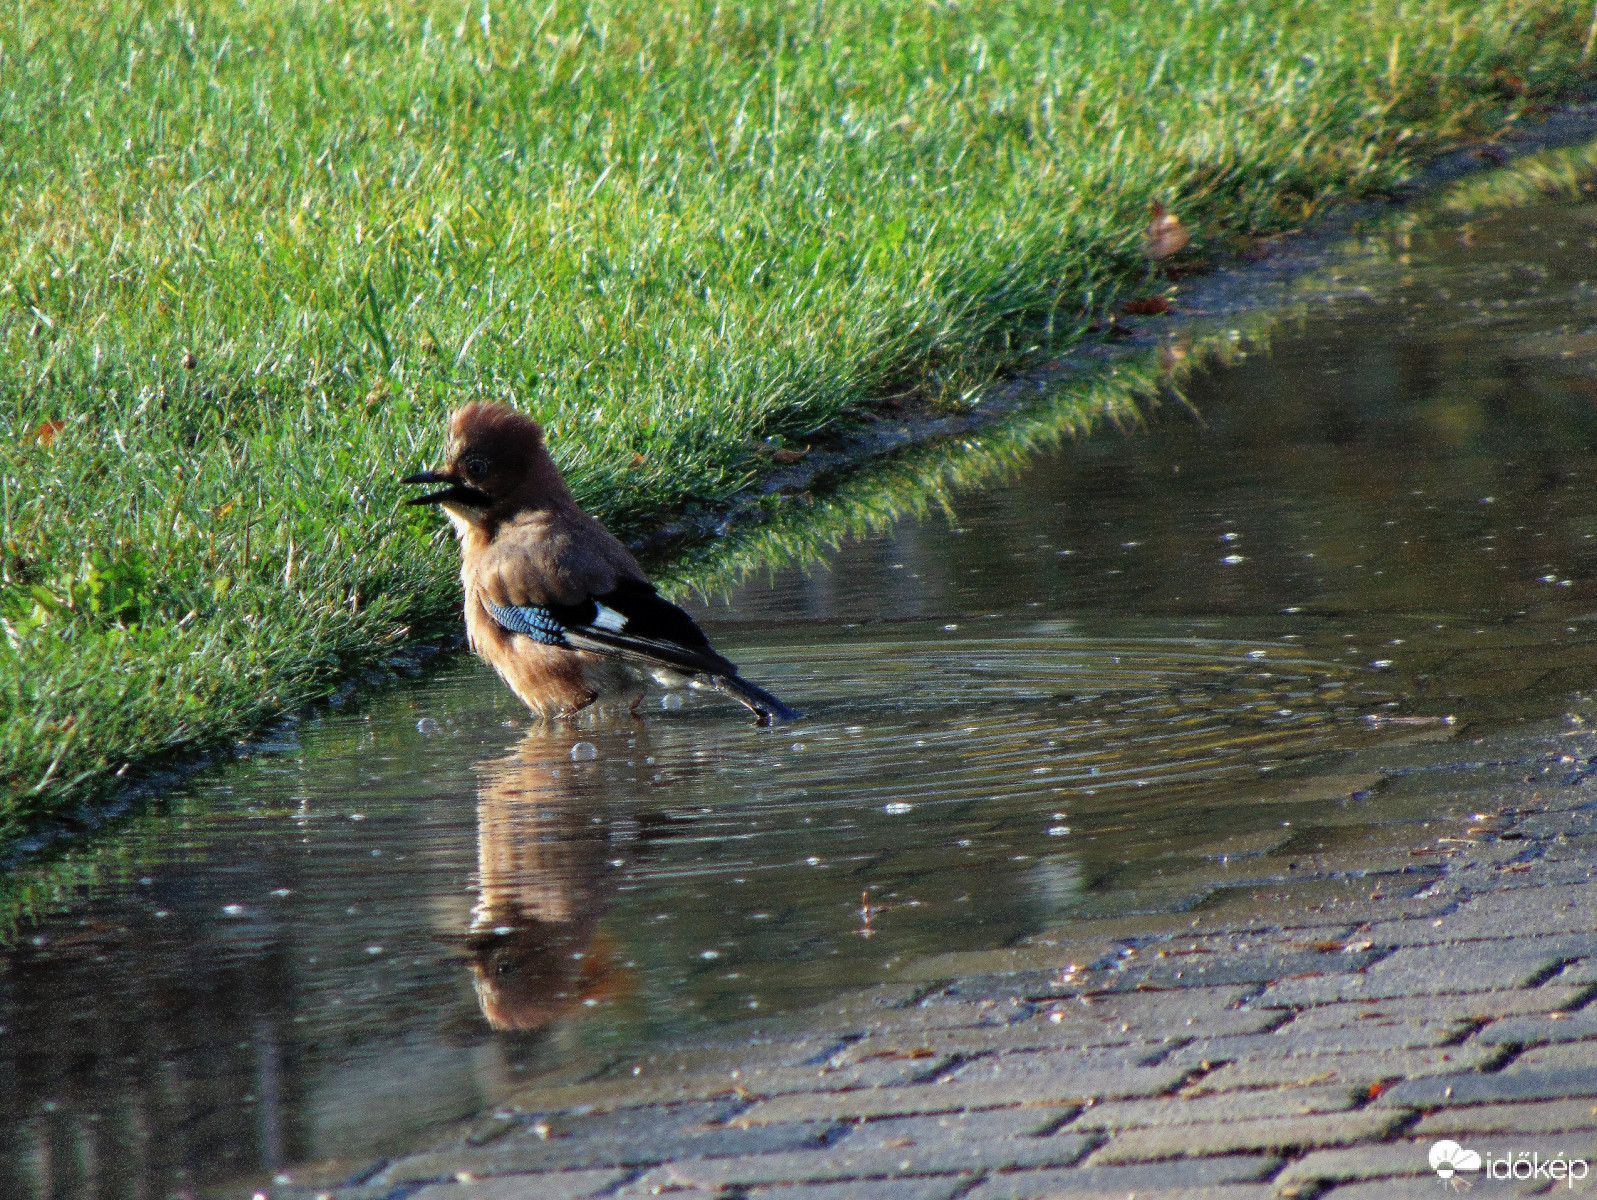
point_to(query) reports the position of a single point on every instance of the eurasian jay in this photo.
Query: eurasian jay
(554, 603)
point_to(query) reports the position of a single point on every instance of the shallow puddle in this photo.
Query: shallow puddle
(1118, 683)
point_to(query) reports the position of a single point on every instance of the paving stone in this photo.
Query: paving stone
(1409, 1158)
(1036, 955)
(1322, 904)
(1417, 1187)
(878, 1071)
(1041, 1034)
(1582, 1055)
(1429, 970)
(1519, 913)
(626, 1137)
(1109, 1019)
(950, 1128)
(1235, 1191)
(720, 1057)
(1583, 971)
(867, 1189)
(1358, 1071)
(941, 1014)
(1052, 1083)
(1566, 823)
(872, 1157)
(1125, 1181)
(1278, 1134)
(1214, 965)
(1551, 1116)
(1494, 1088)
(1359, 1163)
(620, 1093)
(545, 1185)
(1290, 1042)
(1216, 1106)
(1055, 1065)
(1454, 1011)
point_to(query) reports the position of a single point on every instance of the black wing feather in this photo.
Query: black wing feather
(631, 620)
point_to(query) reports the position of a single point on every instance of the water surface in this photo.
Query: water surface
(1106, 686)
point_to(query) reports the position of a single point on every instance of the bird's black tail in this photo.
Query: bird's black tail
(766, 707)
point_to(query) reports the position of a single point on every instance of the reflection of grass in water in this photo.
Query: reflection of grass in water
(801, 530)
(1555, 175)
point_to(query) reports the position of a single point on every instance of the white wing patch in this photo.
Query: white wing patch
(607, 618)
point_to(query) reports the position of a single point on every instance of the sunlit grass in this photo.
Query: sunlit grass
(250, 253)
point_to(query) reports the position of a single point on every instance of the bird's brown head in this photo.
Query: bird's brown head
(496, 463)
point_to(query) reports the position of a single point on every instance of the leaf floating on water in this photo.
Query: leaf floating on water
(1166, 235)
(1147, 306)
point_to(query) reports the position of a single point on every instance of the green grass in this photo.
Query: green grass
(251, 253)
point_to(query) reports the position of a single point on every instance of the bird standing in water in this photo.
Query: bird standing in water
(554, 603)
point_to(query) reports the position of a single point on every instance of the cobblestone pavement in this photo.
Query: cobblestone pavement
(1314, 1030)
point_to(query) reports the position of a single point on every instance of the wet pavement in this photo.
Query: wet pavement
(1315, 1030)
(1229, 671)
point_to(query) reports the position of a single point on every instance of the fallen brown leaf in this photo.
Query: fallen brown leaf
(788, 457)
(1146, 306)
(45, 434)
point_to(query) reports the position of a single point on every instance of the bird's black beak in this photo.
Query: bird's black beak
(456, 493)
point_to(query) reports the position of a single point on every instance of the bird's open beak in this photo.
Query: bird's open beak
(456, 493)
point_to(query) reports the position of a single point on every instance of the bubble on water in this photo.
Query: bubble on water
(1292, 608)
(1381, 663)
(950, 628)
(357, 816)
(1232, 560)
(670, 701)
(280, 892)
(584, 752)
(798, 745)
(1257, 654)
(709, 954)
(897, 808)
(232, 910)
(1549, 579)
(1058, 830)
(1229, 537)
(427, 727)
(374, 950)
(1488, 499)
(813, 861)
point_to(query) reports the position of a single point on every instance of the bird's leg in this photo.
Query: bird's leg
(633, 707)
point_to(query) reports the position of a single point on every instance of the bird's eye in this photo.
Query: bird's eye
(476, 468)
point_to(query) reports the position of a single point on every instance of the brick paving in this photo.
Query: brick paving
(1309, 1032)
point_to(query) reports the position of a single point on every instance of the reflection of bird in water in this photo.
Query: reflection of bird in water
(544, 869)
